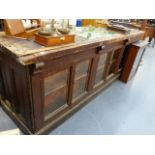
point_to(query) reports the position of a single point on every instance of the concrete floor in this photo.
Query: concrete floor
(120, 109)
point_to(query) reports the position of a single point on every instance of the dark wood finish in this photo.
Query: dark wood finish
(1, 82)
(16, 88)
(132, 59)
(40, 95)
(1, 24)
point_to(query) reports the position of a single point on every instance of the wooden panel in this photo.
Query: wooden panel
(2, 92)
(8, 76)
(23, 101)
(16, 89)
(136, 62)
(79, 87)
(82, 69)
(38, 100)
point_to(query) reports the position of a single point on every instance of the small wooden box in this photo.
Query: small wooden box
(53, 41)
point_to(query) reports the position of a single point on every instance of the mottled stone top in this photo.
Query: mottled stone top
(24, 49)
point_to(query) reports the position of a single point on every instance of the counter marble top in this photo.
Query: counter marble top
(25, 51)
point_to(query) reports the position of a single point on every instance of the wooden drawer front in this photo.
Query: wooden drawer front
(15, 91)
(80, 79)
(62, 40)
(55, 93)
(111, 46)
(52, 41)
(64, 61)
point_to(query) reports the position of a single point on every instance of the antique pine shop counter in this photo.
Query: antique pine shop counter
(41, 86)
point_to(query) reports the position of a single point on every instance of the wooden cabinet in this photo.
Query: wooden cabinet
(40, 95)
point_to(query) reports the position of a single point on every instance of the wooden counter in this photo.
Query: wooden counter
(41, 86)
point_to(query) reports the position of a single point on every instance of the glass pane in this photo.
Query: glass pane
(99, 76)
(79, 87)
(115, 56)
(100, 69)
(102, 60)
(55, 92)
(55, 81)
(82, 68)
(112, 68)
(55, 100)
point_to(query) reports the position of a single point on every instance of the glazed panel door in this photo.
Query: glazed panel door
(114, 60)
(101, 68)
(55, 92)
(81, 79)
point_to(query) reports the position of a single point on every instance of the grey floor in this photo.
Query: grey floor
(120, 109)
